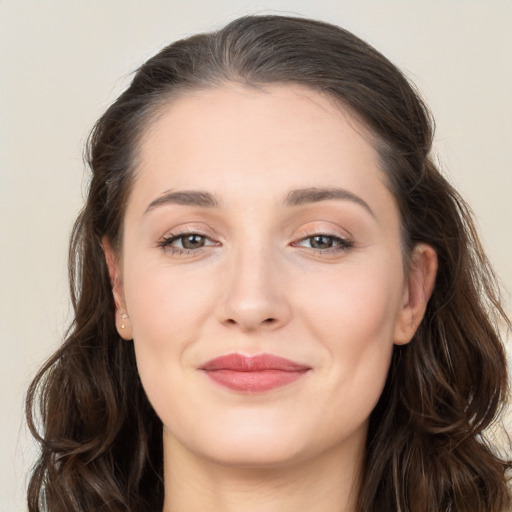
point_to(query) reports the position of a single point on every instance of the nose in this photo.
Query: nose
(254, 293)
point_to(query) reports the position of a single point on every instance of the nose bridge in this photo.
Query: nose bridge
(254, 296)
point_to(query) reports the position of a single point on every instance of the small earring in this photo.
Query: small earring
(124, 317)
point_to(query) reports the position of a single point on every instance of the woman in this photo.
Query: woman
(280, 304)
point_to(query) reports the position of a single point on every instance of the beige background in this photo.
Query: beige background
(62, 62)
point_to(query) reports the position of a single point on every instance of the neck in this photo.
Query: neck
(326, 483)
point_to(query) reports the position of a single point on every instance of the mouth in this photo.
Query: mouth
(253, 374)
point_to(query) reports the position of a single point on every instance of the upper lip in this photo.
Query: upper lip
(261, 362)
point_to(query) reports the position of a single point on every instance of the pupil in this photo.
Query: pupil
(321, 242)
(193, 241)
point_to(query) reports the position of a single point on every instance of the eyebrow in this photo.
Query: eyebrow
(185, 198)
(296, 197)
(316, 194)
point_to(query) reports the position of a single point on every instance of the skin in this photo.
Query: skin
(261, 284)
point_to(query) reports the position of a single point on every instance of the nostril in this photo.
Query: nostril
(267, 321)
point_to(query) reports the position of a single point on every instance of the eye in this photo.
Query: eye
(185, 242)
(324, 242)
(191, 241)
(321, 241)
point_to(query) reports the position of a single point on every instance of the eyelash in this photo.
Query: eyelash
(166, 242)
(339, 244)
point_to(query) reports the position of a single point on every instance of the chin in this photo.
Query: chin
(250, 445)
(264, 443)
(263, 451)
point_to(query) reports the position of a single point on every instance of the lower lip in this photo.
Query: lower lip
(256, 381)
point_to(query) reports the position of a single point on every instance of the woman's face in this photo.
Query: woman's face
(262, 273)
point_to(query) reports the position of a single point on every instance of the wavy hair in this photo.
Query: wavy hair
(427, 451)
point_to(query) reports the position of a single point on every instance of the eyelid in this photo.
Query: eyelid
(189, 229)
(317, 228)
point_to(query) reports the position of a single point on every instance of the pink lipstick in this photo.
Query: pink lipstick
(253, 374)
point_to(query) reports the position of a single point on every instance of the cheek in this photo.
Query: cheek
(164, 301)
(354, 314)
(359, 302)
(167, 310)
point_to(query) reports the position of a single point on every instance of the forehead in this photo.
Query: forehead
(259, 141)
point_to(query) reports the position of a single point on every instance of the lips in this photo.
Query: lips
(253, 374)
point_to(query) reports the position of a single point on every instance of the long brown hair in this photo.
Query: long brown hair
(101, 441)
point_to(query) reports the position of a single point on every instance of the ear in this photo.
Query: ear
(123, 324)
(417, 291)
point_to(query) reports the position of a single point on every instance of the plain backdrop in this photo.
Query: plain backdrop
(62, 63)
